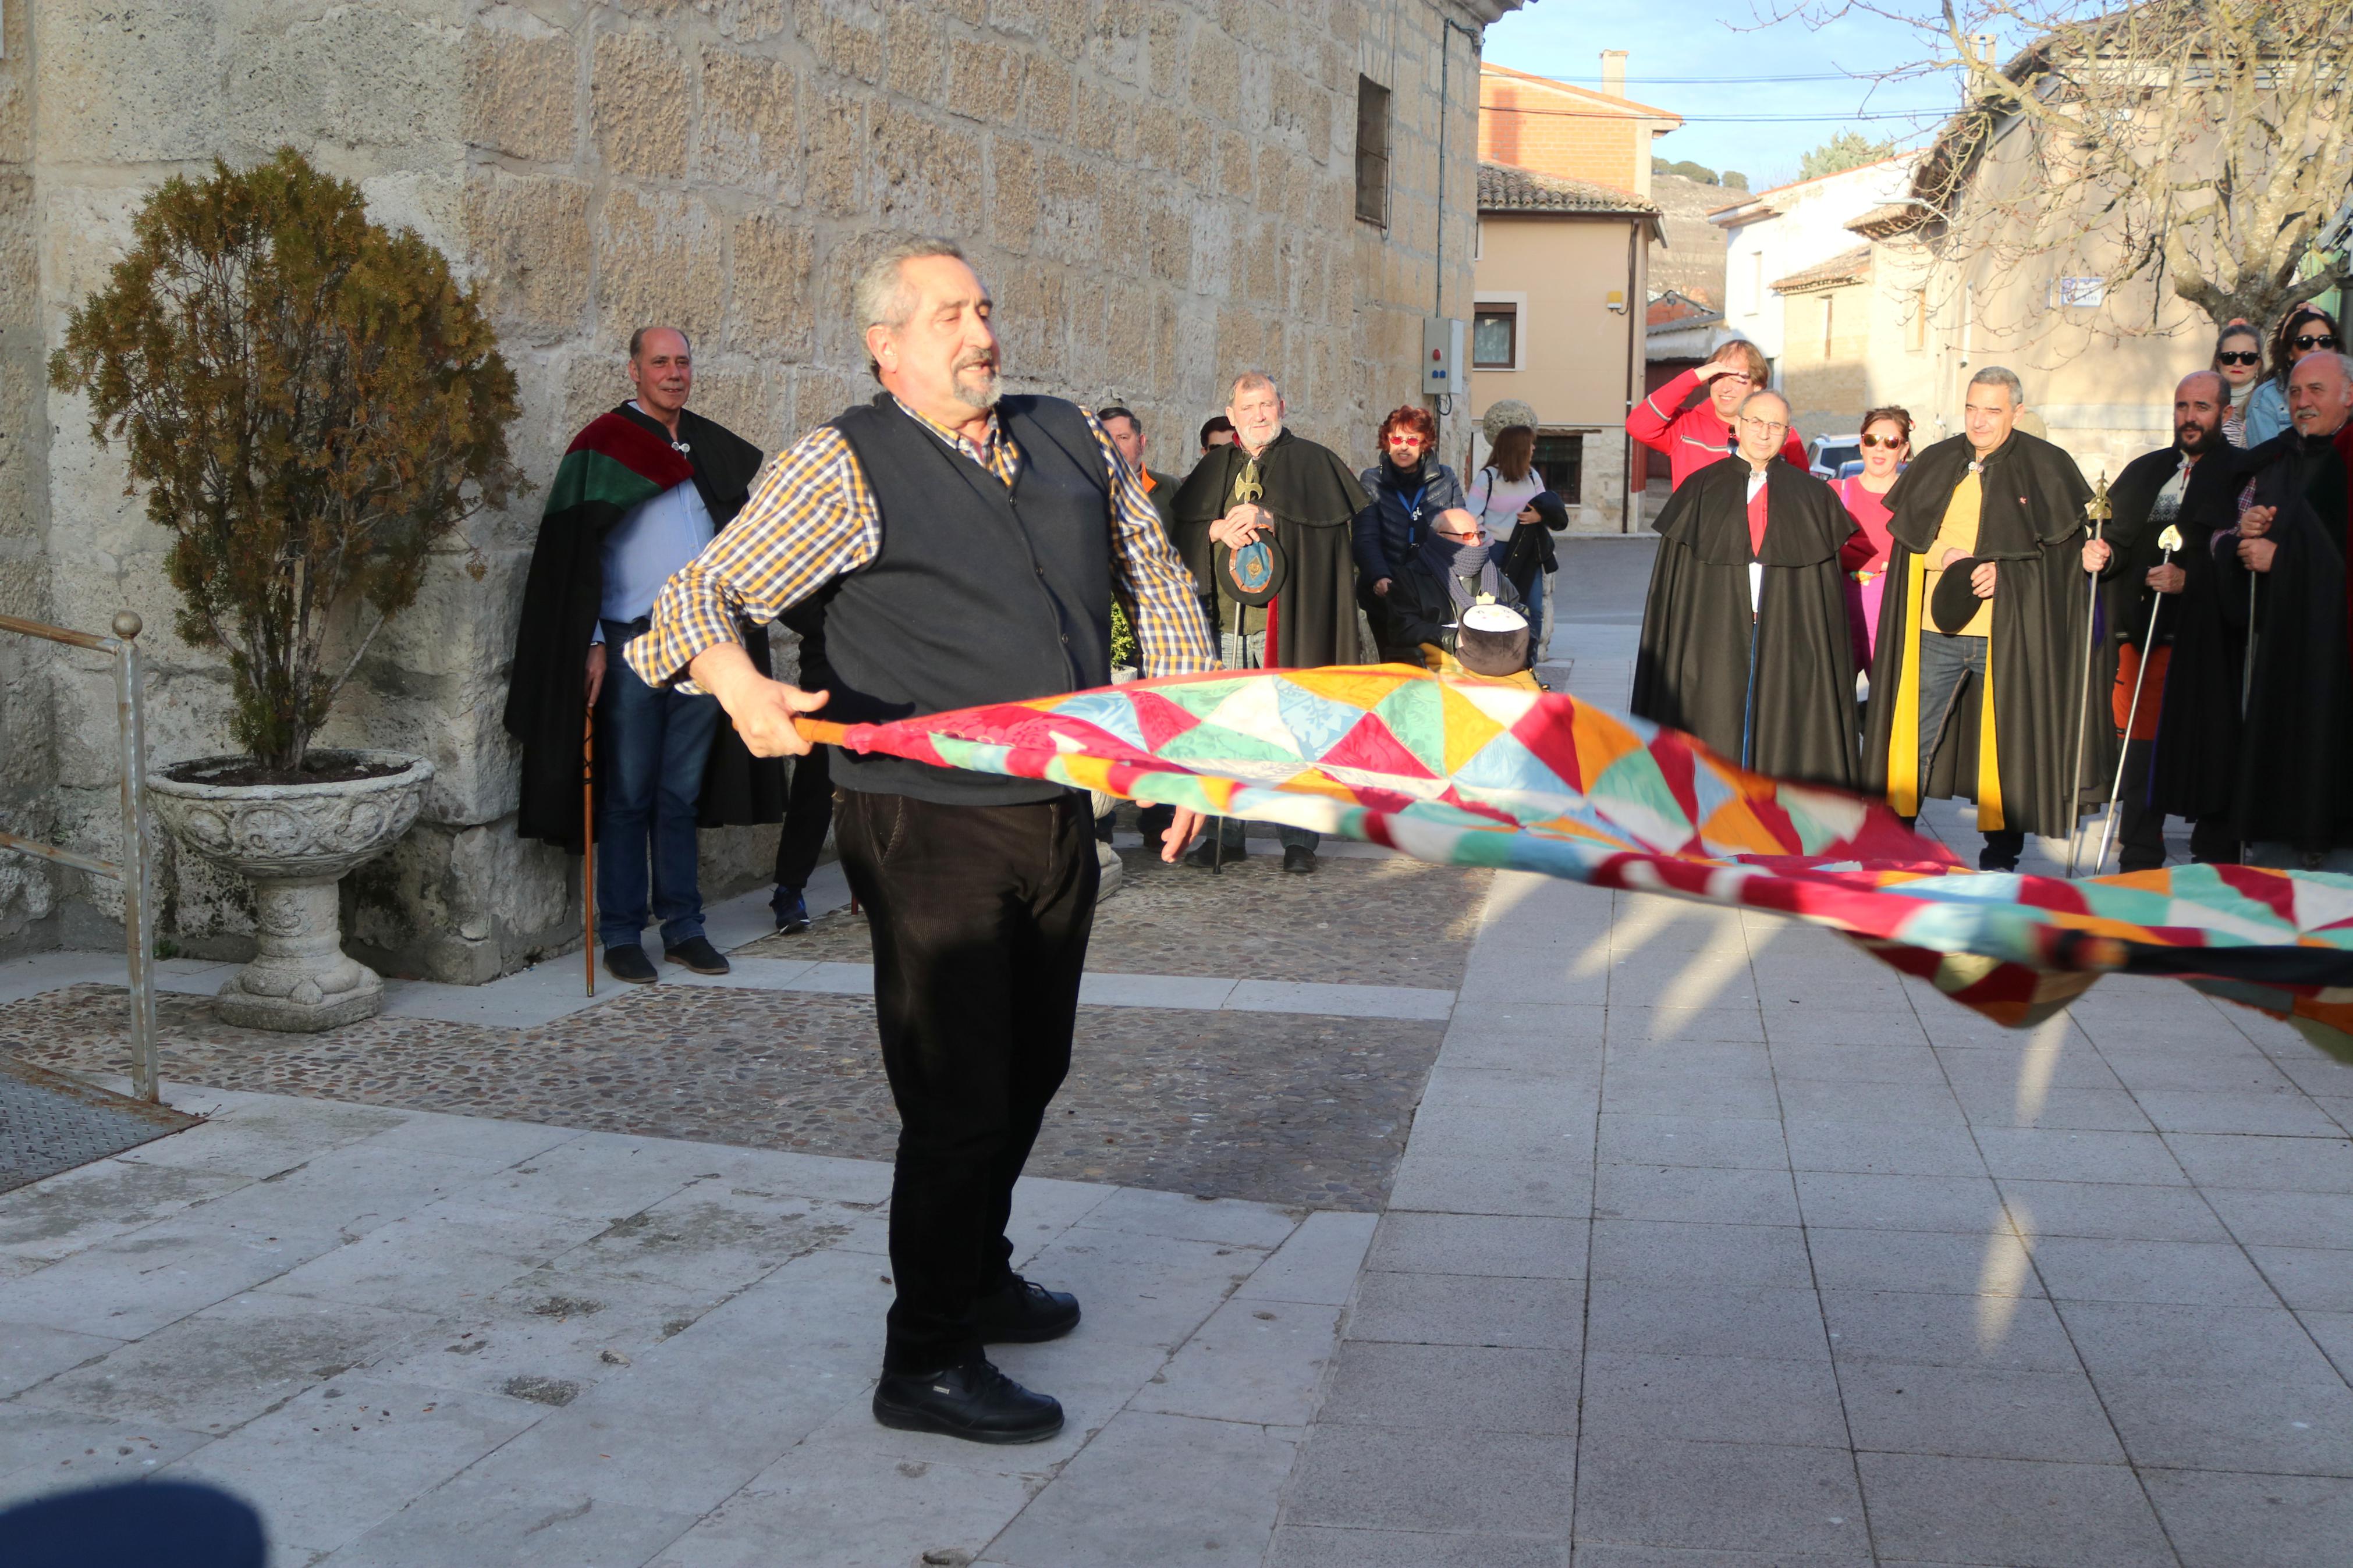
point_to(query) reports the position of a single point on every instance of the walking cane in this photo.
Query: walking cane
(2247, 675)
(2169, 541)
(589, 847)
(2098, 510)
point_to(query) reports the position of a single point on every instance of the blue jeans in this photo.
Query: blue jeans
(1539, 613)
(1249, 652)
(1943, 661)
(651, 750)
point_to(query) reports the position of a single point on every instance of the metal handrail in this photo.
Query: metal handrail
(136, 873)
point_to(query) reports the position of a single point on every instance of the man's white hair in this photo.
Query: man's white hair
(1765, 392)
(1252, 381)
(881, 296)
(2002, 375)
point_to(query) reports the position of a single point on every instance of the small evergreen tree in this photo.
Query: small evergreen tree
(1846, 150)
(311, 404)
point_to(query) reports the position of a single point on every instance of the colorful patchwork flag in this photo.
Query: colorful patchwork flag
(1466, 772)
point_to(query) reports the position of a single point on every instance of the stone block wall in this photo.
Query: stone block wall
(28, 888)
(1161, 193)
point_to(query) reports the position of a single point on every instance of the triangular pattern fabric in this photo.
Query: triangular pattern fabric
(1461, 771)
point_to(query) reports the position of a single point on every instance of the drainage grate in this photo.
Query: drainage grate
(50, 1122)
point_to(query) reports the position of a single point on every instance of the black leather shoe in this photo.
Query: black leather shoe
(1024, 1314)
(697, 954)
(975, 1402)
(630, 964)
(1204, 855)
(1992, 860)
(1298, 858)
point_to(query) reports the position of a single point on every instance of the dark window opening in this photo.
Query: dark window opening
(1495, 337)
(1560, 462)
(1372, 152)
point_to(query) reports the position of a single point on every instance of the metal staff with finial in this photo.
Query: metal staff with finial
(2169, 541)
(2097, 511)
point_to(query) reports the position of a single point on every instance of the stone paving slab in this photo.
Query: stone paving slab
(1734, 1248)
(672, 1342)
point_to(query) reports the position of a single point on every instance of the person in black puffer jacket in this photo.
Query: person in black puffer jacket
(1409, 486)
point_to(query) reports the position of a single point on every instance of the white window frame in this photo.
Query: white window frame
(1519, 303)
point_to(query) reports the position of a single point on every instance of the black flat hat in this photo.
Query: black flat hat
(1955, 603)
(1253, 574)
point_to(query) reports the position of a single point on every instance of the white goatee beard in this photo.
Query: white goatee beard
(981, 398)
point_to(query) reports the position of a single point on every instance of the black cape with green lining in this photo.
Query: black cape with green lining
(1314, 500)
(619, 461)
(2031, 526)
(1693, 670)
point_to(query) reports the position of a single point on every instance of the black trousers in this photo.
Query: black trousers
(2140, 828)
(808, 812)
(980, 916)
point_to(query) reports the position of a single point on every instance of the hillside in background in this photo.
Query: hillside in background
(1692, 259)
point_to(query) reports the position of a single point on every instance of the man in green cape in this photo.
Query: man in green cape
(639, 490)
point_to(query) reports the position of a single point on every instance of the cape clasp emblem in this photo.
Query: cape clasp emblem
(1246, 484)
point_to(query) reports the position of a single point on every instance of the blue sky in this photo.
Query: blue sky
(1749, 69)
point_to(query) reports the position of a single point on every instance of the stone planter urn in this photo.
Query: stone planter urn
(293, 843)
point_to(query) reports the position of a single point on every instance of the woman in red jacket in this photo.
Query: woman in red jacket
(1702, 434)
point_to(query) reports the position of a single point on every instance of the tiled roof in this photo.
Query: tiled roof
(1608, 101)
(1504, 189)
(1672, 307)
(1893, 219)
(1853, 266)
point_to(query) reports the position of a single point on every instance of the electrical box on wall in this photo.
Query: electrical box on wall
(1442, 367)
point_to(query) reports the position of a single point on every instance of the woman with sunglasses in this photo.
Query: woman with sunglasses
(1886, 443)
(2239, 360)
(2308, 329)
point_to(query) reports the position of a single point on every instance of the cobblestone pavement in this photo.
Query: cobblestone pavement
(1276, 1107)
(1389, 921)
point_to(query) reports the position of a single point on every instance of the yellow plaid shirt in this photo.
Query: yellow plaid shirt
(812, 518)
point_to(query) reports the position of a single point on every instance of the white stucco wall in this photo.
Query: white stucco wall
(1794, 227)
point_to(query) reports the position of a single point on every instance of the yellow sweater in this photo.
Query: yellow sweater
(1960, 531)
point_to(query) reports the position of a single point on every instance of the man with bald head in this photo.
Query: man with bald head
(640, 490)
(2181, 486)
(2284, 563)
(1746, 638)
